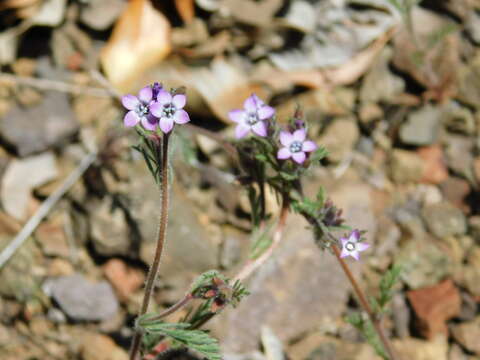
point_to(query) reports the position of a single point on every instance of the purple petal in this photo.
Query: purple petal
(237, 115)
(265, 112)
(130, 102)
(286, 138)
(166, 124)
(355, 255)
(181, 117)
(179, 101)
(252, 103)
(299, 157)
(344, 241)
(299, 135)
(362, 246)
(344, 253)
(156, 109)
(145, 95)
(241, 131)
(164, 97)
(309, 146)
(354, 236)
(260, 128)
(149, 123)
(131, 119)
(284, 153)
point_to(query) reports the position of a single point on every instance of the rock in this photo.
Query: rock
(474, 227)
(18, 182)
(298, 267)
(51, 237)
(124, 279)
(101, 14)
(424, 263)
(82, 299)
(467, 334)
(456, 353)
(401, 315)
(234, 245)
(317, 346)
(469, 82)
(456, 190)
(406, 166)
(53, 123)
(433, 306)
(443, 219)
(380, 84)
(19, 277)
(96, 346)
(434, 170)
(422, 126)
(458, 119)
(415, 349)
(458, 153)
(407, 216)
(109, 229)
(340, 138)
(272, 345)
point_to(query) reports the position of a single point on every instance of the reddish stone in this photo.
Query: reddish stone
(433, 306)
(124, 279)
(434, 169)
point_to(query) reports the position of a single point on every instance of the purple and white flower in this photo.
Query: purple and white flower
(139, 109)
(295, 145)
(169, 110)
(352, 246)
(252, 117)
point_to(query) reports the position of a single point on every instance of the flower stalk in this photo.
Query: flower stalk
(364, 303)
(153, 272)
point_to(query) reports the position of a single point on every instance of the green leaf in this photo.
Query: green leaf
(366, 328)
(196, 340)
(387, 283)
(319, 154)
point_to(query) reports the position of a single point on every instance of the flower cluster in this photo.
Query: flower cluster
(253, 118)
(154, 107)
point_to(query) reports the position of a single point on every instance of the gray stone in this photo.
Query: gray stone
(467, 334)
(380, 84)
(82, 299)
(459, 154)
(109, 229)
(423, 261)
(290, 285)
(340, 138)
(101, 14)
(443, 220)
(422, 126)
(41, 127)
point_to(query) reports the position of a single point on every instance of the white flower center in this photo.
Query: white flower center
(350, 246)
(251, 118)
(142, 110)
(295, 147)
(169, 110)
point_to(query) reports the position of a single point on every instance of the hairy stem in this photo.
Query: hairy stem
(251, 265)
(177, 306)
(364, 303)
(153, 272)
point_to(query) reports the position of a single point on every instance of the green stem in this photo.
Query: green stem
(153, 272)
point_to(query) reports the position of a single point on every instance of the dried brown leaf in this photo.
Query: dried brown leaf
(140, 39)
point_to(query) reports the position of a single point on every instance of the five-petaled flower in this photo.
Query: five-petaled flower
(169, 109)
(252, 117)
(295, 145)
(140, 109)
(352, 246)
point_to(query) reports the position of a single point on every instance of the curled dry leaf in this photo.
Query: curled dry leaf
(140, 39)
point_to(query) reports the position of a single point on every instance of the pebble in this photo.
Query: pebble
(467, 334)
(406, 166)
(81, 299)
(124, 279)
(422, 126)
(443, 219)
(433, 306)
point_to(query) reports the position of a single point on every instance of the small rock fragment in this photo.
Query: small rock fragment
(406, 166)
(468, 334)
(422, 126)
(443, 219)
(433, 306)
(340, 138)
(82, 299)
(96, 346)
(434, 169)
(124, 279)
